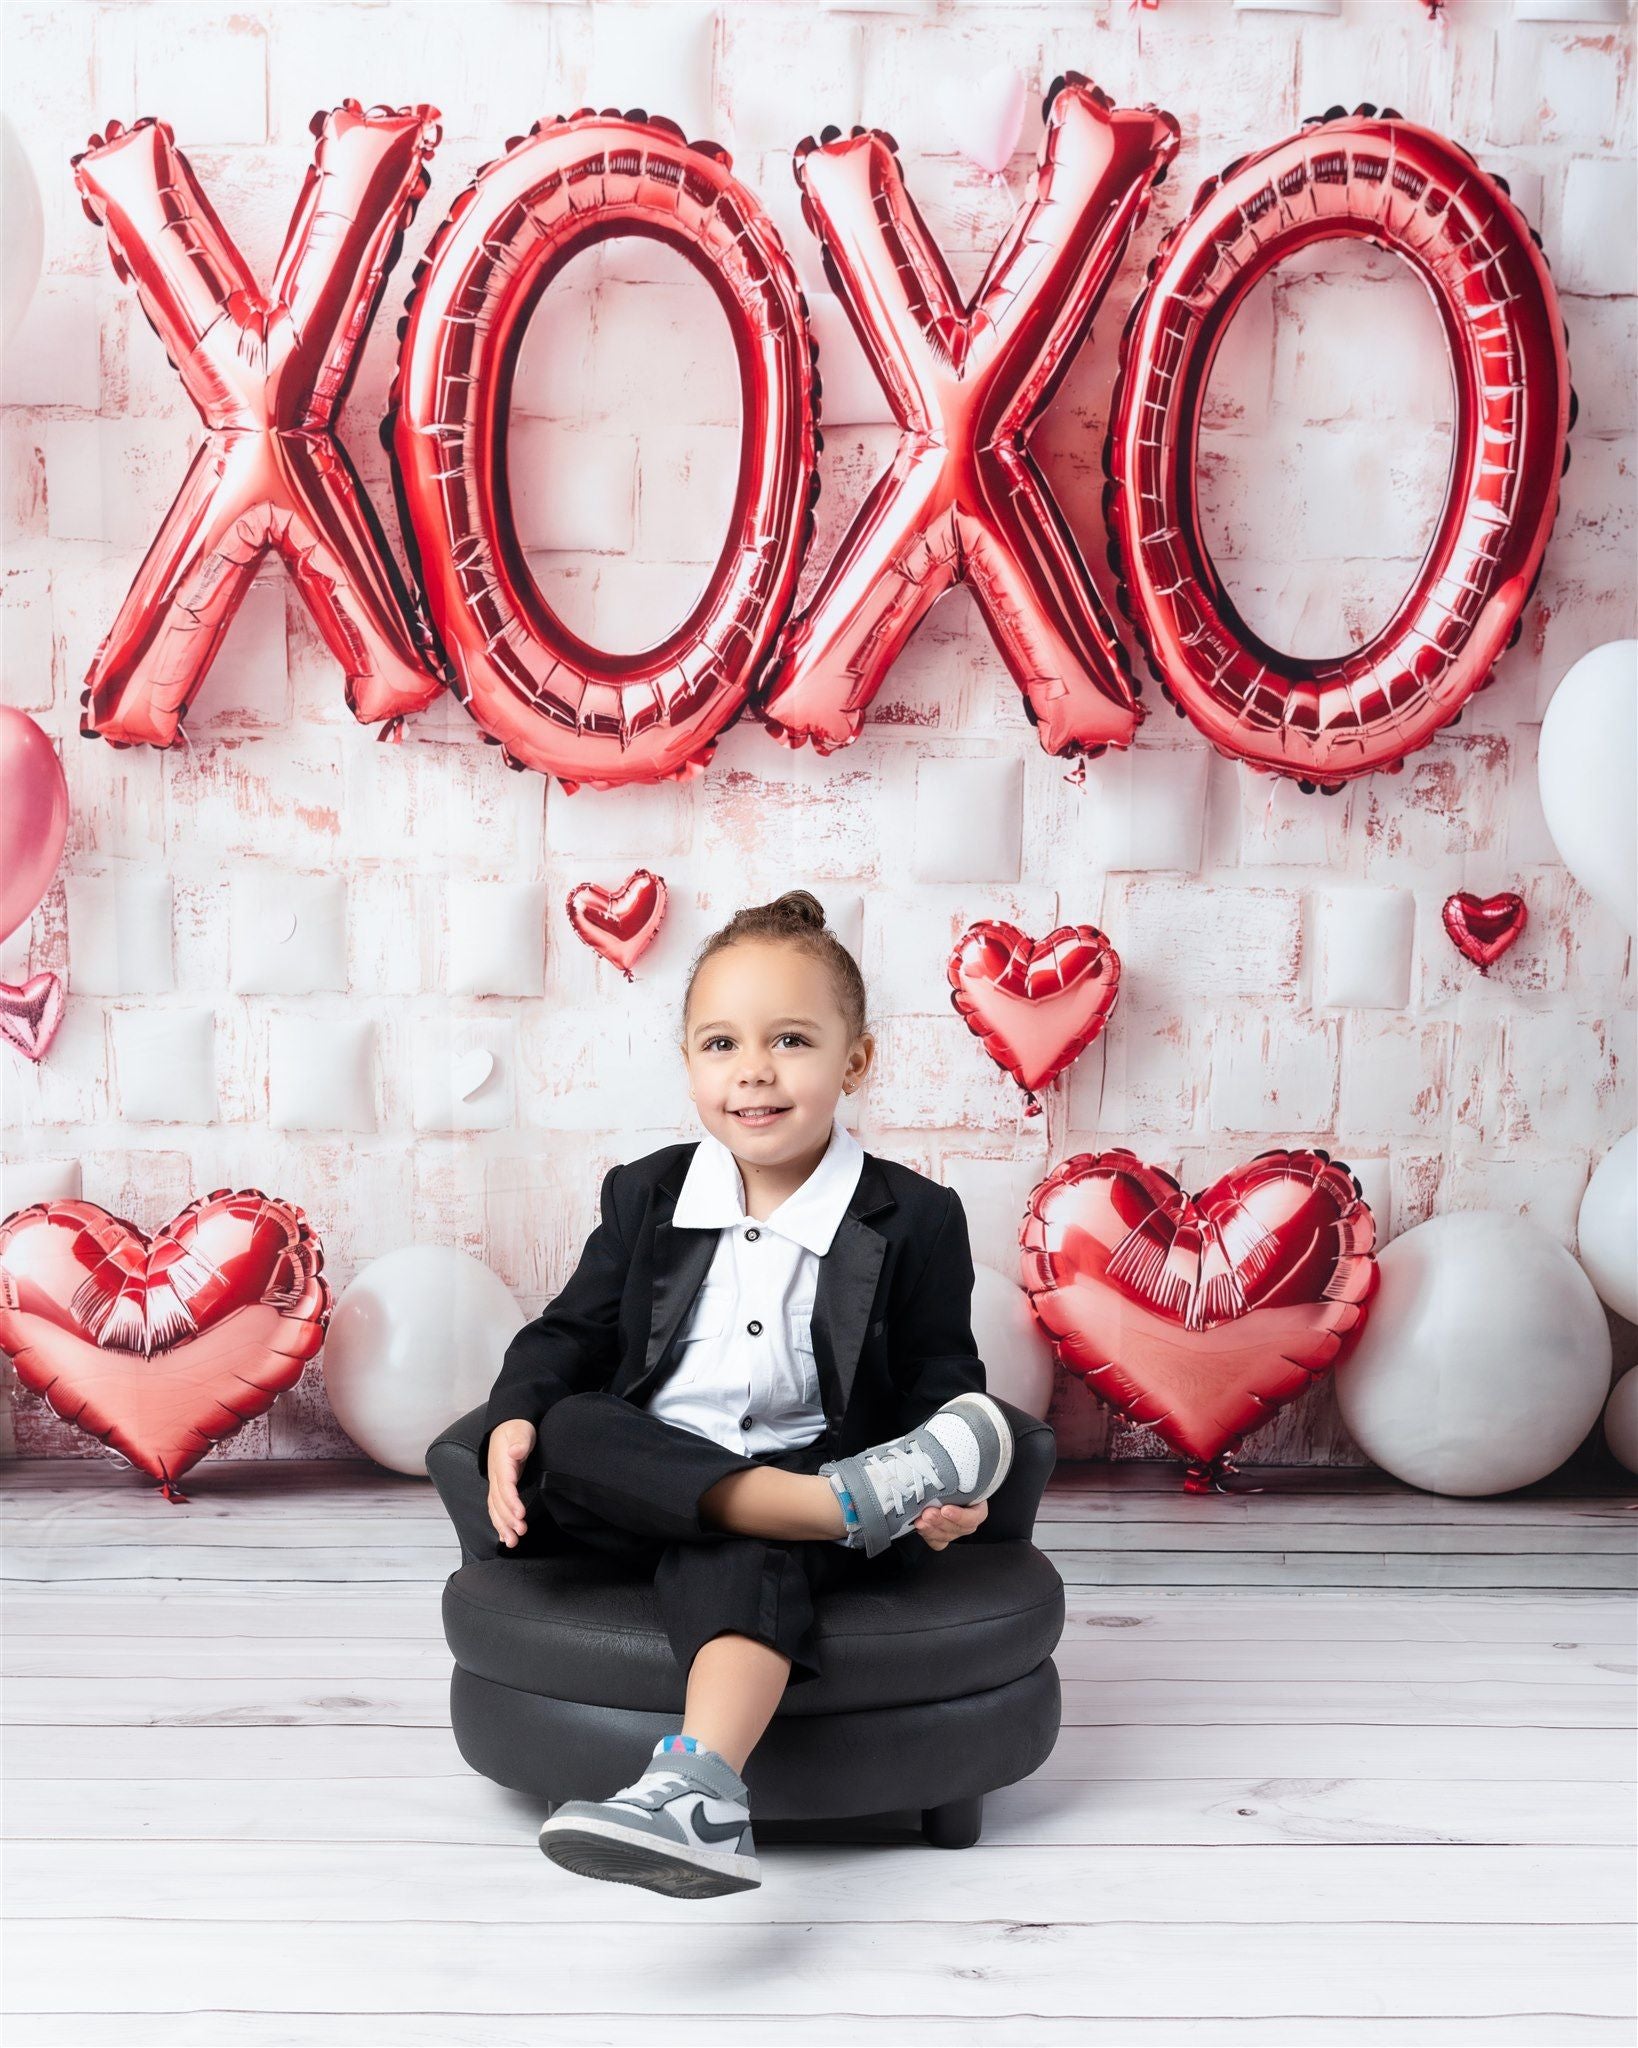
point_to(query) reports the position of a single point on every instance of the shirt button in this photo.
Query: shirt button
(752, 1235)
(755, 1329)
(745, 1421)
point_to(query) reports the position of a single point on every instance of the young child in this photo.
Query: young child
(760, 1376)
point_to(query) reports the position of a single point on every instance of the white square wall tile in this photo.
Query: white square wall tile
(465, 1074)
(321, 1073)
(1599, 232)
(119, 934)
(969, 820)
(1146, 809)
(853, 393)
(289, 933)
(165, 1065)
(495, 938)
(23, 1182)
(657, 57)
(54, 356)
(1365, 948)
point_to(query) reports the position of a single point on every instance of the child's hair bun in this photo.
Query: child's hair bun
(799, 907)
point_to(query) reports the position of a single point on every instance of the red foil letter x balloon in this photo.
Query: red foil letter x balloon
(963, 499)
(268, 375)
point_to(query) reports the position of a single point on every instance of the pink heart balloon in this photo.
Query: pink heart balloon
(986, 115)
(33, 817)
(29, 1015)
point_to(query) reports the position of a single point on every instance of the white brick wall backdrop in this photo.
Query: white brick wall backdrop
(317, 927)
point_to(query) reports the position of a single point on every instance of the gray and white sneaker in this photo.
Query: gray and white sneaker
(684, 1827)
(958, 1456)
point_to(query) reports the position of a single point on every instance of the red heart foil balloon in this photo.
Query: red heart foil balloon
(1199, 1315)
(29, 1015)
(619, 924)
(1483, 928)
(1036, 1004)
(162, 1347)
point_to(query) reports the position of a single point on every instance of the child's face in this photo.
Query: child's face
(765, 1029)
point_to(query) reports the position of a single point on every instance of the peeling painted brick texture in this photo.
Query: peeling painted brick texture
(1287, 979)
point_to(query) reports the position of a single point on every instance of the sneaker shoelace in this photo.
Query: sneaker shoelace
(653, 1791)
(905, 1468)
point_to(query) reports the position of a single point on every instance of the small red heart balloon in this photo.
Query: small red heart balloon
(162, 1348)
(618, 924)
(29, 1015)
(1199, 1315)
(1484, 928)
(1036, 1004)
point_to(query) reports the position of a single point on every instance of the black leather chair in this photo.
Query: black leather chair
(938, 1683)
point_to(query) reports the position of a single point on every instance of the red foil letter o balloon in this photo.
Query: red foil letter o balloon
(1423, 197)
(549, 700)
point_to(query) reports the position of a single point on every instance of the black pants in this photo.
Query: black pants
(618, 1479)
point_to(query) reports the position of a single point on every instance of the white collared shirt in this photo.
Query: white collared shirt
(745, 1374)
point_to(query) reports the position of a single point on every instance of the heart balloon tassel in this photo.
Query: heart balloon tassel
(1199, 1316)
(1034, 1004)
(162, 1347)
(619, 925)
(29, 1015)
(1482, 929)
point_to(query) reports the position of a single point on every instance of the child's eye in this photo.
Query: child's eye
(710, 1043)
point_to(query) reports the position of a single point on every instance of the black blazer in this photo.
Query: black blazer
(892, 1314)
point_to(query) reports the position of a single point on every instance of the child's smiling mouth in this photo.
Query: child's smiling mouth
(757, 1119)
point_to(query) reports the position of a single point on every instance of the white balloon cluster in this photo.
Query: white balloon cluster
(415, 1340)
(1486, 1357)
(22, 231)
(418, 1336)
(1588, 772)
(1607, 1240)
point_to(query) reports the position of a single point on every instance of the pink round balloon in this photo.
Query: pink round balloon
(33, 817)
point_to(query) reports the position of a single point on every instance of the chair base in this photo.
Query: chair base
(938, 1758)
(955, 1826)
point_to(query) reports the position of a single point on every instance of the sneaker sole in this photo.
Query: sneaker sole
(605, 1850)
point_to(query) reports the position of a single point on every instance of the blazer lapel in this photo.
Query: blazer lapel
(682, 1258)
(841, 1309)
(841, 1303)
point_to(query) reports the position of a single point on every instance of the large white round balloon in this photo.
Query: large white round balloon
(1018, 1363)
(1607, 1228)
(1485, 1358)
(415, 1341)
(22, 230)
(1621, 1419)
(1588, 770)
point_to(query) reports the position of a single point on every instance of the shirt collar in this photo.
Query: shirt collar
(712, 1196)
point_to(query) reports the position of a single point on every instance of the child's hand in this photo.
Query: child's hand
(509, 1444)
(940, 1526)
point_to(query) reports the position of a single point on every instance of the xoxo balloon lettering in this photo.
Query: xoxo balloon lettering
(268, 372)
(962, 499)
(1410, 191)
(550, 701)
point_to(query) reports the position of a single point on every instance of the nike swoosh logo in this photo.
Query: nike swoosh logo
(716, 1830)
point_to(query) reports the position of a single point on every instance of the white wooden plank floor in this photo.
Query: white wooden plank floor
(1340, 1763)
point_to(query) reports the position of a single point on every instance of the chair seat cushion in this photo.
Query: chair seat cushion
(583, 1627)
